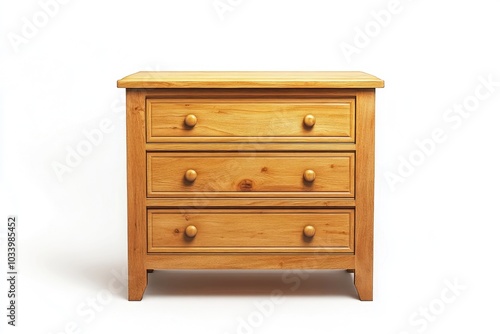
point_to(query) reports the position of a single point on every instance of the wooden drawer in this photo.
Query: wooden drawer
(250, 230)
(200, 174)
(285, 120)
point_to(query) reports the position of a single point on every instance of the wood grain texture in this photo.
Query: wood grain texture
(245, 94)
(136, 189)
(250, 231)
(365, 141)
(224, 156)
(257, 120)
(240, 79)
(257, 202)
(250, 174)
(250, 261)
(249, 146)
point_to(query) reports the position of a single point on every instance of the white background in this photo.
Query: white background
(438, 223)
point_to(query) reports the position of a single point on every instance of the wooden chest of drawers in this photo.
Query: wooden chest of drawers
(250, 170)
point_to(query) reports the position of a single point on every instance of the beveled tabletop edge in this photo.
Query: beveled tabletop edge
(250, 79)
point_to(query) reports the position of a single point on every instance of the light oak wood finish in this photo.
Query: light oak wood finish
(190, 175)
(250, 231)
(190, 120)
(310, 231)
(233, 170)
(250, 146)
(136, 189)
(240, 79)
(249, 261)
(201, 174)
(363, 276)
(190, 231)
(171, 120)
(247, 94)
(309, 175)
(310, 120)
(257, 202)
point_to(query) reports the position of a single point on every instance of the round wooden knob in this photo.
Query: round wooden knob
(190, 175)
(191, 231)
(309, 175)
(309, 121)
(190, 120)
(309, 231)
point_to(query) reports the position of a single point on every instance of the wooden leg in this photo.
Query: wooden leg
(363, 280)
(137, 282)
(136, 188)
(363, 248)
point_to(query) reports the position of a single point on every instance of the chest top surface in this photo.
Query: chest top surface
(244, 79)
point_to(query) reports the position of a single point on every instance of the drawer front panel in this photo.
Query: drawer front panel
(327, 120)
(250, 230)
(250, 174)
